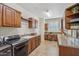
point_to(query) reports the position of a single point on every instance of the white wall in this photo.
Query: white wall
(41, 28)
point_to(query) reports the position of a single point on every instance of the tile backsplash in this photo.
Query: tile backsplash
(5, 31)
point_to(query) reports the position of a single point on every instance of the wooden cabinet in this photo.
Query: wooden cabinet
(33, 43)
(67, 19)
(29, 46)
(1, 14)
(46, 27)
(72, 17)
(38, 40)
(17, 19)
(65, 51)
(9, 17)
(32, 23)
(68, 51)
(68, 12)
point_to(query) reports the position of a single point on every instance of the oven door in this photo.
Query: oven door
(6, 52)
(21, 49)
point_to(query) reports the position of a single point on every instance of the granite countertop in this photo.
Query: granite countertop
(68, 41)
(28, 37)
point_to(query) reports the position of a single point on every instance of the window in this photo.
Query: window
(54, 27)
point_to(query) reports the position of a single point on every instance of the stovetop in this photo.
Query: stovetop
(13, 42)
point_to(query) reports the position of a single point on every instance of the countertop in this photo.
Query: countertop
(22, 39)
(28, 37)
(68, 41)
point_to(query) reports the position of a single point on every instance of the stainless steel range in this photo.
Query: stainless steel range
(18, 46)
(5, 49)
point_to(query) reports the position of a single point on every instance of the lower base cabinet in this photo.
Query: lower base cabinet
(68, 51)
(29, 46)
(33, 43)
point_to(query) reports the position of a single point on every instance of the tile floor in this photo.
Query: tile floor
(46, 48)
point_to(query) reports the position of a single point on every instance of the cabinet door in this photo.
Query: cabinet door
(46, 37)
(65, 51)
(8, 17)
(39, 40)
(29, 46)
(68, 19)
(46, 27)
(1, 14)
(33, 43)
(34, 46)
(30, 23)
(17, 19)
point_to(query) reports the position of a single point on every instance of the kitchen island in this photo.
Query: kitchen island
(68, 46)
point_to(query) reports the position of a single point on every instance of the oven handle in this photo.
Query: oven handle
(19, 47)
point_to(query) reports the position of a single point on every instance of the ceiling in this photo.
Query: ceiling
(38, 9)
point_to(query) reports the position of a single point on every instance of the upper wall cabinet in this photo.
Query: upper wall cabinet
(32, 23)
(1, 14)
(46, 26)
(9, 17)
(72, 17)
(17, 19)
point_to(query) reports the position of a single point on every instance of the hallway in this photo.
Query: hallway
(47, 48)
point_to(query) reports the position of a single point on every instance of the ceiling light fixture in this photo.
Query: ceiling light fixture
(48, 13)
